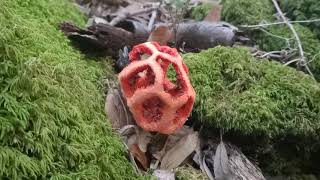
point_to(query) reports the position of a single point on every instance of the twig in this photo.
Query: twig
(270, 53)
(152, 20)
(277, 23)
(126, 15)
(301, 53)
(274, 35)
(314, 57)
(292, 61)
(277, 36)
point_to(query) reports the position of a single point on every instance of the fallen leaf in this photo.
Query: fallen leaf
(221, 166)
(162, 143)
(116, 109)
(139, 156)
(144, 138)
(161, 34)
(164, 175)
(180, 151)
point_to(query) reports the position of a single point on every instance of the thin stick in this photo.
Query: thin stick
(277, 23)
(292, 61)
(152, 20)
(125, 15)
(301, 53)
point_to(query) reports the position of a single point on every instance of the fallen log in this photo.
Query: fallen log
(234, 166)
(101, 39)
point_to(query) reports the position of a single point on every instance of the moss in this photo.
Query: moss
(236, 91)
(260, 100)
(189, 173)
(52, 124)
(303, 10)
(254, 12)
(200, 12)
(309, 41)
(247, 11)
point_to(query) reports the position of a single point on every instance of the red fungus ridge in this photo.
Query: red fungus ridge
(157, 104)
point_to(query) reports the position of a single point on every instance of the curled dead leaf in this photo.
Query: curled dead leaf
(139, 156)
(116, 109)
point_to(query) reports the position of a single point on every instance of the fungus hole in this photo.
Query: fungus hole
(139, 78)
(174, 83)
(152, 109)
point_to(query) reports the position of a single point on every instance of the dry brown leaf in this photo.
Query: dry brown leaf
(179, 152)
(139, 156)
(214, 14)
(115, 109)
(161, 34)
(164, 143)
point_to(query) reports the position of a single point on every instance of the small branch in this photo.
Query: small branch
(292, 61)
(152, 20)
(277, 23)
(126, 15)
(301, 53)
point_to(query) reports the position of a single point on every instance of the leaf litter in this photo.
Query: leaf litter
(112, 29)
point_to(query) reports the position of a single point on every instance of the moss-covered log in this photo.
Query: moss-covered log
(303, 10)
(236, 91)
(309, 41)
(241, 12)
(262, 104)
(52, 124)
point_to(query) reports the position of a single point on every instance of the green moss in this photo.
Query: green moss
(309, 41)
(241, 12)
(52, 124)
(303, 10)
(201, 11)
(189, 173)
(272, 111)
(254, 12)
(236, 91)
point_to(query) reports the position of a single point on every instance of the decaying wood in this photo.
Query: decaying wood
(101, 38)
(241, 168)
(203, 35)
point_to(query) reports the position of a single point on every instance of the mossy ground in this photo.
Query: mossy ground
(52, 124)
(242, 12)
(309, 42)
(239, 12)
(263, 103)
(236, 91)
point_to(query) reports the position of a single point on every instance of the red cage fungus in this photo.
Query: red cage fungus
(157, 103)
